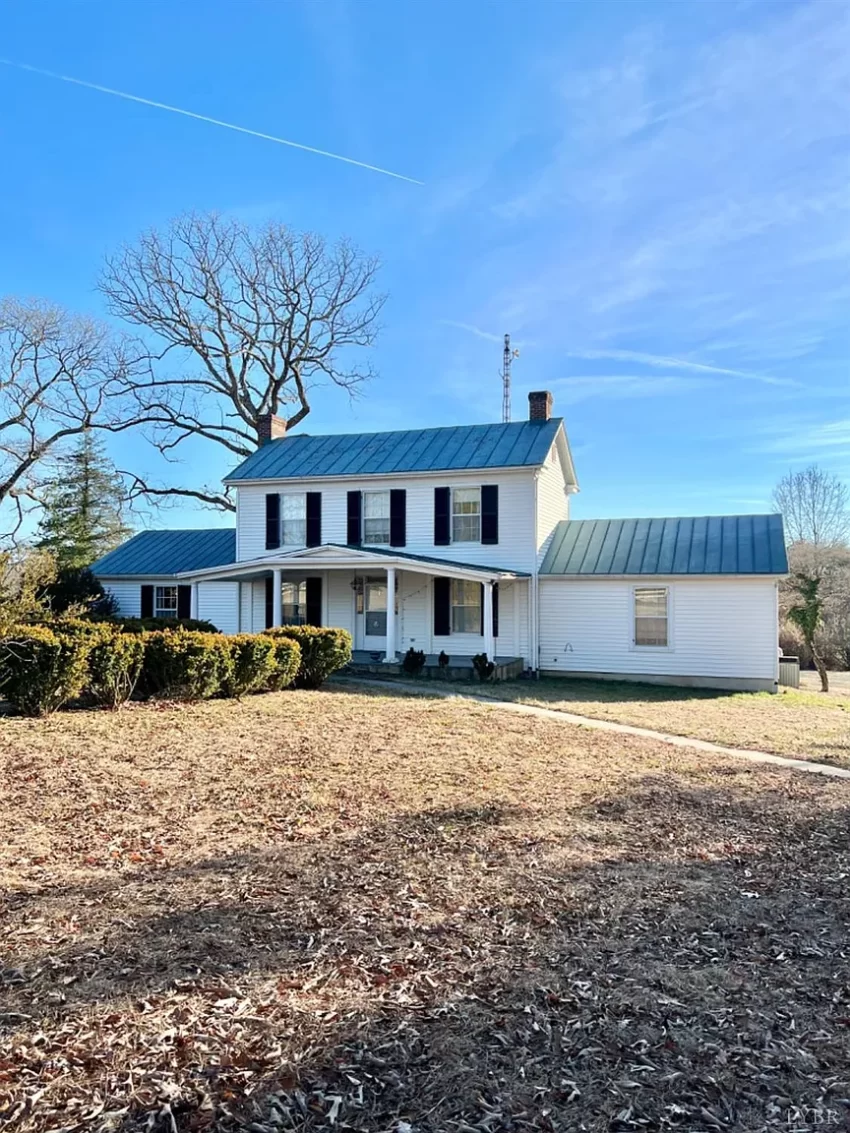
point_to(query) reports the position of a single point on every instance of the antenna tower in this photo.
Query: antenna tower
(507, 358)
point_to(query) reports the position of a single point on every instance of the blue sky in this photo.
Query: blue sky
(651, 198)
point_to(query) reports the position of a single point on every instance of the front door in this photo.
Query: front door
(372, 616)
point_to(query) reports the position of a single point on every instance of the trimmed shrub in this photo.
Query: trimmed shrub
(184, 664)
(147, 625)
(323, 651)
(253, 663)
(287, 662)
(41, 670)
(115, 664)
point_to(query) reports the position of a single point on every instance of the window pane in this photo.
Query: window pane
(294, 505)
(650, 631)
(294, 532)
(466, 529)
(376, 530)
(651, 603)
(466, 500)
(376, 505)
(466, 619)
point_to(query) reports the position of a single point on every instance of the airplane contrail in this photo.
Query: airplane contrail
(204, 118)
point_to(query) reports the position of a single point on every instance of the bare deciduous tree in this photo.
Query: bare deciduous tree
(59, 376)
(814, 504)
(250, 320)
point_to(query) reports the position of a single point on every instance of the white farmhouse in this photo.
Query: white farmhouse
(458, 540)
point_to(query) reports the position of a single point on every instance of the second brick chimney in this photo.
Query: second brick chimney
(540, 405)
(270, 428)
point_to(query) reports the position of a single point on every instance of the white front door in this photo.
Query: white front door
(372, 616)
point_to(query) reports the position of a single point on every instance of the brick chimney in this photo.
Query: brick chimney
(540, 405)
(270, 428)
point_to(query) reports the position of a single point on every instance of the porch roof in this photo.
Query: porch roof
(342, 556)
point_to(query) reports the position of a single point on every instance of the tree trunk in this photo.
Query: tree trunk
(821, 668)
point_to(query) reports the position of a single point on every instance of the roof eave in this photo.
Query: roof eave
(431, 472)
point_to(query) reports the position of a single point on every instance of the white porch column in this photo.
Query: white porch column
(277, 598)
(391, 647)
(489, 639)
(193, 601)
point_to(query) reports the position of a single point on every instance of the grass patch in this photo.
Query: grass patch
(343, 909)
(800, 723)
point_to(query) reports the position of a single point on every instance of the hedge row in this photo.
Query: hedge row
(42, 668)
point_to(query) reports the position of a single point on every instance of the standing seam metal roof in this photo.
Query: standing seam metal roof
(169, 552)
(715, 544)
(301, 457)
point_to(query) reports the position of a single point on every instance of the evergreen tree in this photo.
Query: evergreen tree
(82, 506)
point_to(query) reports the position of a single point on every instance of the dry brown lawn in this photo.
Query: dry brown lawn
(805, 723)
(356, 911)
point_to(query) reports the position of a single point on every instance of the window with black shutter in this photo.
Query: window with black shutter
(314, 519)
(184, 601)
(272, 521)
(442, 517)
(314, 601)
(269, 603)
(354, 536)
(490, 513)
(398, 517)
(146, 602)
(442, 607)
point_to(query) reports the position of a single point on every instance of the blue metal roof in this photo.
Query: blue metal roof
(518, 444)
(169, 552)
(715, 544)
(395, 553)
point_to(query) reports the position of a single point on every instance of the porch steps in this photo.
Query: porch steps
(364, 663)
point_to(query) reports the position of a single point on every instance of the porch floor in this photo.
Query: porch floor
(371, 662)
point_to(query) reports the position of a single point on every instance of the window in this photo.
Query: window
(293, 604)
(466, 515)
(376, 517)
(293, 512)
(165, 602)
(651, 616)
(466, 606)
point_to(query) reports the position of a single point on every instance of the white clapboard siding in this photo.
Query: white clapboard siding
(128, 595)
(718, 628)
(218, 602)
(515, 549)
(552, 501)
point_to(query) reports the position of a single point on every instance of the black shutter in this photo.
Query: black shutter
(314, 598)
(272, 521)
(495, 610)
(442, 605)
(269, 602)
(147, 602)
(489, 513)
(355, 515)
(442, 518)
(398, 517)
(314, 519)
(184, 601)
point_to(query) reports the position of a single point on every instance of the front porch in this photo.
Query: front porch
(459, 668)
(388, 601)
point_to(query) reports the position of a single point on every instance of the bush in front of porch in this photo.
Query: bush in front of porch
(323, 651)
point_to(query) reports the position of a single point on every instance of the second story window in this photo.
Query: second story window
(466, 515)
(293, 519)
(376, 517)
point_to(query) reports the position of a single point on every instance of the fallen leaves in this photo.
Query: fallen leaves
(408, 916)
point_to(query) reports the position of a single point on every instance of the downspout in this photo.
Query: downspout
(534, 646)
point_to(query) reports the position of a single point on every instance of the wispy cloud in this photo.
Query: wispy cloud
(658, 360)
(618, 386)
(470, 329)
